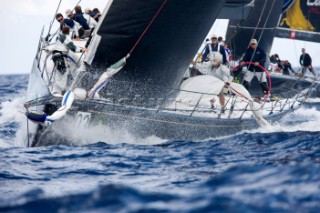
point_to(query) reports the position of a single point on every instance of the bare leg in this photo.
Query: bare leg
(312, 70)
(222, 101)
(303, 71)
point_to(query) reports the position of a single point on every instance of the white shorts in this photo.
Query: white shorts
(261, 76)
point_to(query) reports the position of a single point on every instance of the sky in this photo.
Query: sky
(22, 21)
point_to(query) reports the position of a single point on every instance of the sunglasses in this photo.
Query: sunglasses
(59, 20)
(213, 38)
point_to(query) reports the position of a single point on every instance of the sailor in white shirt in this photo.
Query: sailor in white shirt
(217, 69)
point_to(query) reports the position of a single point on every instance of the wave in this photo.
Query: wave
(238, 189)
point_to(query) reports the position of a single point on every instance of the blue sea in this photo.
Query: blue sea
(263, 170)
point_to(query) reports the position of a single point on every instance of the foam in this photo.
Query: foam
(303, 119)
(11, 112)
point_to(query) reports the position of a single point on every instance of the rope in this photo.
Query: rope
(54, 18)
(259, 28)
(265, 23)
(254, 32)
(154, 17)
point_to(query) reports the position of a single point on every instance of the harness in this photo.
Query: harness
(211, 51)
(58, 59)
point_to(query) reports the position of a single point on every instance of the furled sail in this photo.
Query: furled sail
(300, 20)
(162, 37)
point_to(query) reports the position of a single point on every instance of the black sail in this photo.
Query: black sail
(164, 52)
(261, 25)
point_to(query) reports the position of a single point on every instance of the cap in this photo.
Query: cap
(68, 12)
(87, 10)
(253, 41)
(214, 36)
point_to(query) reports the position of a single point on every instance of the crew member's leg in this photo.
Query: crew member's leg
(222, 100)
(313, 72)
(263, 81)
(303, 71)
(247, 79)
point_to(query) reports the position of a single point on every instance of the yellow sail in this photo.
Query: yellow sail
(296, 20)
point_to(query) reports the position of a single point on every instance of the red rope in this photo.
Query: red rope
(154, 17)
(264, 70)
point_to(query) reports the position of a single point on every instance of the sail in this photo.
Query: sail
(236, 9)
(162, 36)
(260, 24)
(300, 20)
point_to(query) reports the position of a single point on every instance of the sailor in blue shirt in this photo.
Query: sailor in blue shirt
(257, 56)
(214, 47)
(78, 16)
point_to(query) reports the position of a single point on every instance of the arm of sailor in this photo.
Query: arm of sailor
(223, 53)
(204, 67)
(75, 48)
(205, 54)
(226, 77)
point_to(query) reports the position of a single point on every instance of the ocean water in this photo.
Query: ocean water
(263, 170)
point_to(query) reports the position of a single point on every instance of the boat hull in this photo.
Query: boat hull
(87, 116)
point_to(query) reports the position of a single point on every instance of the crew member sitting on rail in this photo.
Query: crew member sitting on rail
(79, 93)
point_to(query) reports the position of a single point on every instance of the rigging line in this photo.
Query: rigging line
(263, 9)
(259, 28)
(267, 19)
(54, 18)
(154, 17)
(265, 23)
(255, 30)
(235, 32)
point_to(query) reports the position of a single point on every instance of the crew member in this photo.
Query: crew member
(257, 56)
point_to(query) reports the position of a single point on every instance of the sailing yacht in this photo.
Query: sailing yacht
(145, 97)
